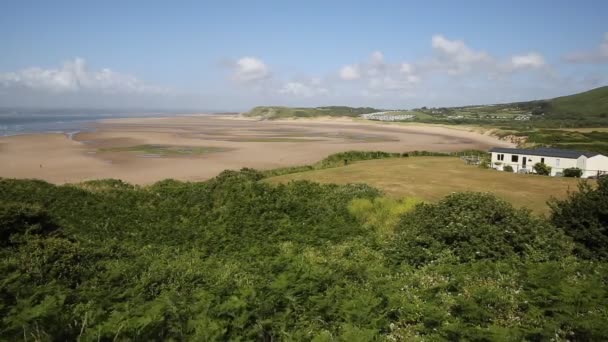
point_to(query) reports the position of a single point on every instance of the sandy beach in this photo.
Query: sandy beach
(146, 150)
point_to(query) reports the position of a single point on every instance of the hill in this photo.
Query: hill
(587, 109)
(275, 112)
(592, 103)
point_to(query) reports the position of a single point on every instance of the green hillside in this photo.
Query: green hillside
(276, 112)
(587, 109)
(590, 103)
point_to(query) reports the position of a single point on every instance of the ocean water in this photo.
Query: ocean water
(25, 121)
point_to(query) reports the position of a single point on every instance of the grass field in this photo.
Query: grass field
(431, 178)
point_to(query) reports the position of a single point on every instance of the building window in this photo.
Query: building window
(514, 159)
(542, 160)
(556, 162)
(501, 157)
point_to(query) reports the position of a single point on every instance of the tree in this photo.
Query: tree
(542, 169)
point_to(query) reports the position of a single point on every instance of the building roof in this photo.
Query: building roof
(546, 152)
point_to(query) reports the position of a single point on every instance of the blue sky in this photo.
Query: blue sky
(232, 55)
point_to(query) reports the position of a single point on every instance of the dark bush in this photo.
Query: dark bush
(573, 172)
(584, 217)
(508, 168)
(18, 219)
(542, 169)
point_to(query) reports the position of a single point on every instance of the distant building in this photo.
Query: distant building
(523, 160)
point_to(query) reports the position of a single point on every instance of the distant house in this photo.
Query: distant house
(523, 160)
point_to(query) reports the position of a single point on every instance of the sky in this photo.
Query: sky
(233, 55)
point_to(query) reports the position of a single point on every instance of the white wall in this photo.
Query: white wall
(595, 163)
(557, 164)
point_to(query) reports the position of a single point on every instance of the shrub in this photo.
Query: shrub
(18, 219)
(474, 226)
(573, 172)
(508, 168)
(484, 164)
(584, 217)
(542, 169)
(381, 213)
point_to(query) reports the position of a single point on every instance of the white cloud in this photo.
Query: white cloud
(456, 57)
(302, 89)
(406, 68)
(382, 76)
(73, 76)
(599, 55)
(377, 57)
(531, 60)
(457, 50)
(250, 69)
(412, 79)
(350, 72)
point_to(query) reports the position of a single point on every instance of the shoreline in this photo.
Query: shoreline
(198, 147)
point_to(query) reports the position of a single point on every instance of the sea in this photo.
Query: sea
(14, 121)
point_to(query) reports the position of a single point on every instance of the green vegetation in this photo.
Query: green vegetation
(164, 150)
(542, 169)
(573, 172)
(583, 216)
(594, 140)
(588, 109)
(507, 168)
(539, 123)
(239, 259)
(288, 112)
(348, 157)
(334, 160)
(592, 103)
(381, 213)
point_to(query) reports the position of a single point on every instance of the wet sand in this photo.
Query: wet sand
(146, 150)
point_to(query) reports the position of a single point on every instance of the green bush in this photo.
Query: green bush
(584, 217)
(573, 172)
(508, 168)
(542, 169)
(235, 258)
(474, 226)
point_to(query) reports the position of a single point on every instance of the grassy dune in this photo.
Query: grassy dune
(432, 178)
(277, 112)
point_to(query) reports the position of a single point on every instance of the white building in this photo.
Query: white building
(523, 160)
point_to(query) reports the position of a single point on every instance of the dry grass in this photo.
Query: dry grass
(431, 178)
